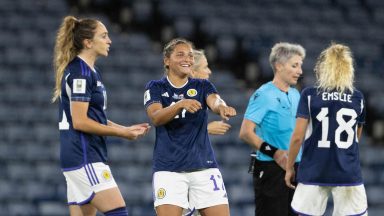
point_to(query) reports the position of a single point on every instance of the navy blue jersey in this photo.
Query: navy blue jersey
(81, 83)
(330, 150)
(183, 143)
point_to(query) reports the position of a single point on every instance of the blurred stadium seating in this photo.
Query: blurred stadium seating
(237, 36)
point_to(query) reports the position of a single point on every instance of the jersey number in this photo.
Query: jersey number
(182, 112)
(346, 126)
(63, 124)
(214, 181)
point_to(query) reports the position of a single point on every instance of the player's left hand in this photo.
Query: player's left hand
(226, 112)
(218, 127)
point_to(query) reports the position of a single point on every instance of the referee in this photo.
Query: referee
(268, 123)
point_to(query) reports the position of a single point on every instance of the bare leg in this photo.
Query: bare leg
(168, 210)
(107, 200)
(84, 210)
(218, 210)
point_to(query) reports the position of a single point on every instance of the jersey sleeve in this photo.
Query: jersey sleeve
(209, 88)
(361, 117)
(81, 83)
(152, 94)
(257, 107)
(303, 109)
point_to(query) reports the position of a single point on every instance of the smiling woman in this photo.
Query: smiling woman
(185, 169)
(83, 123)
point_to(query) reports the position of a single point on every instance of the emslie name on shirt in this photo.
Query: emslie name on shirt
(336, 96)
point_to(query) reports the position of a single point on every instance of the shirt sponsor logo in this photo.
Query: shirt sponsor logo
(178, 97)
(79, 86)
(191, 92)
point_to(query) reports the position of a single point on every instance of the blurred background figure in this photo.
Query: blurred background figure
(201, 70)
(236, 36)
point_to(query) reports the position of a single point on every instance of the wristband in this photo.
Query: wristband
(267, 149)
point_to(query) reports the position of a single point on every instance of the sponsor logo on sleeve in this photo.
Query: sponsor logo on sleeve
(79, 86)
(147, 96)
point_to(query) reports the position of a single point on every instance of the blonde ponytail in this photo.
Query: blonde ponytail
(334, 69)
(69, 43)
(64, 51)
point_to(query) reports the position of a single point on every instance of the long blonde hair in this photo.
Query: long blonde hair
(69, 43)
(334, 69)
(198, 55)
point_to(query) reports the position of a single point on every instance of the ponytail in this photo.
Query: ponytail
(69, 43)
(334, 69)
(64, 51)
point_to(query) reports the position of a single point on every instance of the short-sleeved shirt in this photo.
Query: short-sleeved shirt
(182, 144)
(330, 150)
(274, 113)
(81, 83)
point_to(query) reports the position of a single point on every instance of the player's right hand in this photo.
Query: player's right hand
(135, 131)
(190, 105)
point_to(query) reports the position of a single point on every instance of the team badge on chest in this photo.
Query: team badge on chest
(191, 92)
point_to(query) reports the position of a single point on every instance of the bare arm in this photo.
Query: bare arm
(294, 147)
(219, 106)
(359, 131)
(160, 115)
(248, 135)
(218, 127)
(83, 123)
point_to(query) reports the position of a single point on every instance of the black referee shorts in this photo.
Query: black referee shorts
(272, 196)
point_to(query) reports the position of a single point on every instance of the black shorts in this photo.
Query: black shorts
(272, 196)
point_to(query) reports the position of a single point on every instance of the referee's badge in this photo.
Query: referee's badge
(106, 175)
(191, 92)
(161, 193)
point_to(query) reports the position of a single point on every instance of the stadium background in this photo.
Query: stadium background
(237, 36)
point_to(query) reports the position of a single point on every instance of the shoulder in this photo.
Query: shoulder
(308, 91)
(266, 89)
(263, 94)
(201, 82)
(154, 83)
(75, 66)
(358, 93)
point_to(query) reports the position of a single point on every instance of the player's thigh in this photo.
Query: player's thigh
(218, 210)
(84, 183)
(170, 188)
(207, 189)
(84, 210)
(349, 200)
(310, 199)
(168, 210)
(108, 199)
